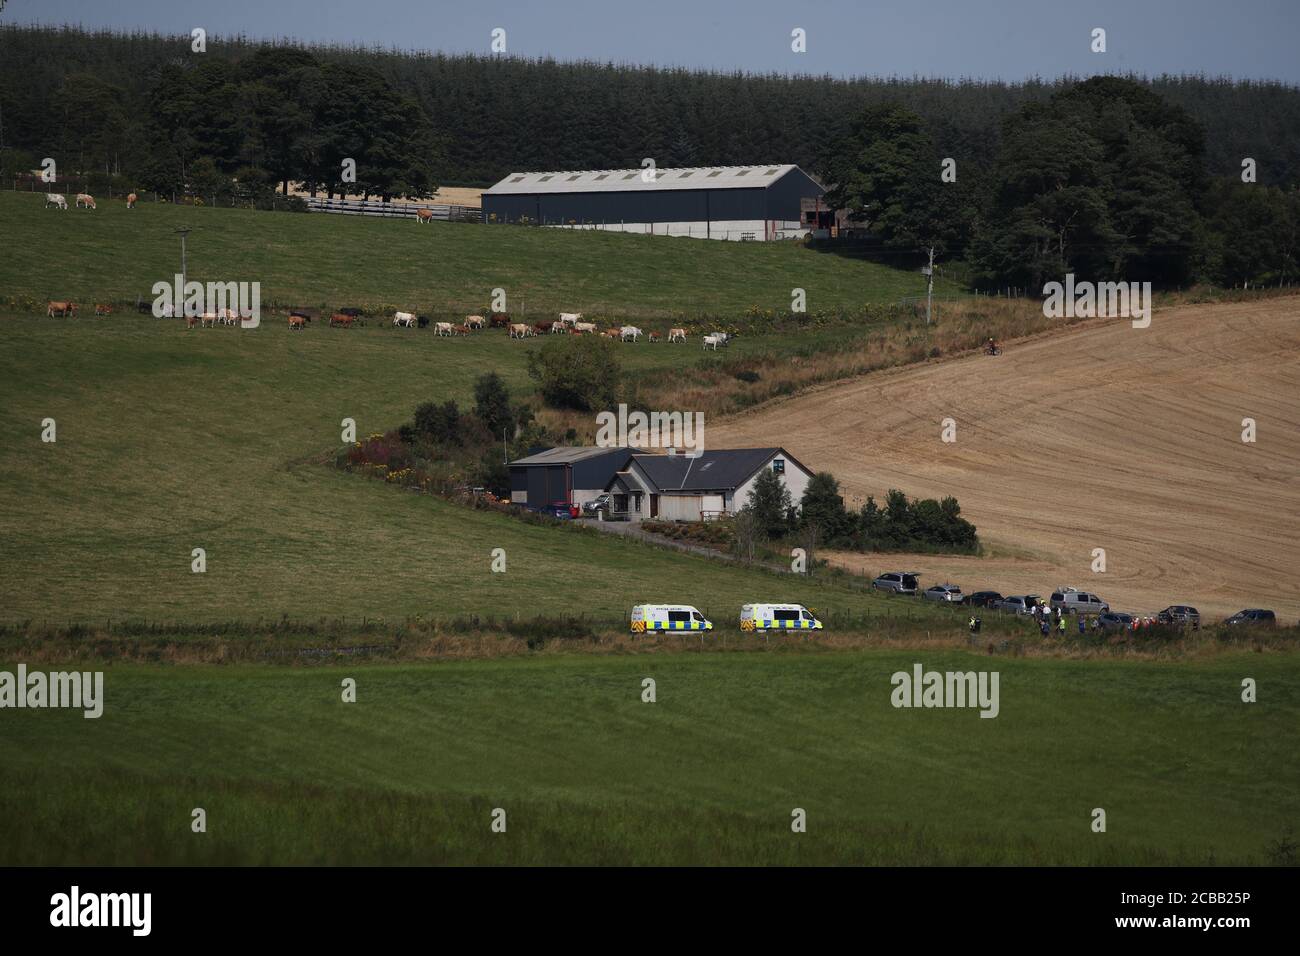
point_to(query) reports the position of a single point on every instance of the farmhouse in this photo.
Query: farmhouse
(707, 202)
(678, 488)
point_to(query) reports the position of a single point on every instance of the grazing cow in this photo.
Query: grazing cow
(518, 330)
(652, 337)
(422, 321)
(629, 332)
(612, 334)
(101, 309)
(191, 321)
(474, 321)
(724, 338)
(559, 328)
(442, 328)
(499, 320)
(404, 319)
(713, 340)
(298, 322)
(57, 200)
(423, 215)
(210, 319)
(85, 199)
(63, 308)
(584, 327)
(539, 327)
(130, 200)
(676, 335)
(342, 320)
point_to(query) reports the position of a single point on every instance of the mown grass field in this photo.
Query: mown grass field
(710, 773)
(116, 254)
(170, 440)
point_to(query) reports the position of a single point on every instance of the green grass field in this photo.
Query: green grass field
(168, 440)
(710, 773)
(116, 254)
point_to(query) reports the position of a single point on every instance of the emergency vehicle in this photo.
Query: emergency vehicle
(668, 617)
(778, 617)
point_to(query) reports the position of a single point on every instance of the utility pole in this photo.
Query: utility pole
(183, 231)
(929, 289)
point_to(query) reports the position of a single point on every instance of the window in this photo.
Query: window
(630, 176)
(602, 176)
(716, 172)
(686, 174)
(742, 172)
(770, 171)
(517, 179)
(805, 615)
(544, 179)
(575, 176)
(679, 617)
(697, 616)
(778, 465)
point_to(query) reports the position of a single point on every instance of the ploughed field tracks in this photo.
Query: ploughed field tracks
(1099, 437)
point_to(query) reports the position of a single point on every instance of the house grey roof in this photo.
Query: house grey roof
(566, 455)
(720, 470)
(629, 180)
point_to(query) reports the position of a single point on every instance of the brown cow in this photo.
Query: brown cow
(297, 322)
(85, 199)
(652, 337)
(63, 308)
(101, 309)
(676, 335)
(423, 215)
(130, 200)
(499, 320)
(344, 321)
(191, 321)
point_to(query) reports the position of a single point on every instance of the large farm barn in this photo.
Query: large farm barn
(706, 202)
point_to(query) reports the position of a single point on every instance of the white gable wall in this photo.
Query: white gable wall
(795, 478)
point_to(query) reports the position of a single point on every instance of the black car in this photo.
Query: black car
(1253, 617)
(982, 599)
(1180, 615)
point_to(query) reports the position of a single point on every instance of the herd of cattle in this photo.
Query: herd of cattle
(84, 201)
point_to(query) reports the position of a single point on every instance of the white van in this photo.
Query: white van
(778, 617)
(1074, 601)
(668, 617)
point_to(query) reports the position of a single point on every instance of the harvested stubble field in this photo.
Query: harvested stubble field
(1102, 436)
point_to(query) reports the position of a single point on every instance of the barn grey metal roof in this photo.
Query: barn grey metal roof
(567, 454)
(630, 180)
(719, 470)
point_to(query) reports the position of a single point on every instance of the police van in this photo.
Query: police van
(668, 617)
(778, 617)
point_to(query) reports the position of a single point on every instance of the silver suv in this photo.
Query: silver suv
(1074, 601)
(1018, 604)
(896, 582)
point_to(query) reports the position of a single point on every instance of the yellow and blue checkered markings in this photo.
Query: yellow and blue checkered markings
(780, 624)
(640, 627)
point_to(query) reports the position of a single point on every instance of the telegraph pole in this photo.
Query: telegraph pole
(929, 289)
(183, 231)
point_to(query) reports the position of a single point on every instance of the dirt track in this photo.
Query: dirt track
(1101, 437)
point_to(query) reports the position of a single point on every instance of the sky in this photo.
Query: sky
(981, 39)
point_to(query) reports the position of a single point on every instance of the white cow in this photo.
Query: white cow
(676, 335)
(713, 340)
(56, 199)
(475, 321)
(724, 339)
(629, 332)
(85, 199)
(442, 328)
(584, 326)
(404, 318)
(570, 317)
(518, 330)
(560, 328)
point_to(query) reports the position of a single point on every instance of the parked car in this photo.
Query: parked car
(1115, 621)
(1018, 604)
(560, 509)
(778, 617)
(602, 502)
(1253, 617)
(942, 592)
(668, 617)
(896, 582)
(983, 599)
(1180, 615)
(1074, 601)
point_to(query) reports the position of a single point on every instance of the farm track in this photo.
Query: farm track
(1102, 436)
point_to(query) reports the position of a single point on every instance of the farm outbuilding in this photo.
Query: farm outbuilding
(573, 475)
(707, 202)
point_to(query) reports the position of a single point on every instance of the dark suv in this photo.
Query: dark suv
(982, 599)
(1180, 615)
(1253, 617)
